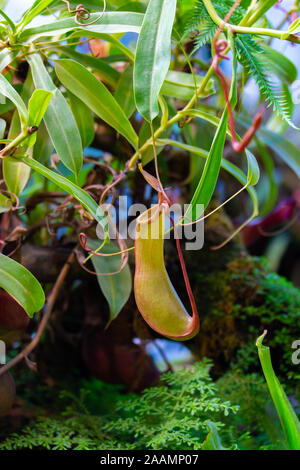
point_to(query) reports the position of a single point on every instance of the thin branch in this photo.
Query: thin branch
(44, 321)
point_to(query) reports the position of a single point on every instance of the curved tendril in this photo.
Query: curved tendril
(81, 13)
(282, 229)
(215, 210)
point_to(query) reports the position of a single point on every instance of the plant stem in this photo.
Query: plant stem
(259, 11)
(48, 310)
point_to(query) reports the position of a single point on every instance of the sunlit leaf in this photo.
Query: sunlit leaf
(153, 55)
(95, 95)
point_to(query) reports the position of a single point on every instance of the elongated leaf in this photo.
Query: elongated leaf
(289, 421)
(280, 64)
(59, 119)
(43, 147)
(66, 185)
(181, 85)
(84, 119)
(108, 74)
(95, 95)
(153, 55)
(21, 285)
(124, 92)
(16, 174)
(208, 180)
(8, 90)
(37, 106)
(117, 287)
(36, 8)
(111, 23)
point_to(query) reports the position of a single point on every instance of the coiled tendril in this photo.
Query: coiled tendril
(82, 14)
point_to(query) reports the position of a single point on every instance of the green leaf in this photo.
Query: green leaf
(84, 119)
(108, 74)
(124, 92)
(95, 95)
(8, 90)
(5, 203)
(153, 55)
(111, 23)
(21, 285)
(181, 85)
(117, 287)
(289, 421)
(37, 106)
(16, 174)
(212, 441)
(208, 180)
(2, 127)
(59, 119)
(279, 64)
(294, 28)
(36, 8)
(71, 188)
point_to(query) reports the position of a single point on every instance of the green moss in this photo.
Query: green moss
(237, 303)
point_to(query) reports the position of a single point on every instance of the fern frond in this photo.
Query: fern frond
(251, 56)
(199, 21)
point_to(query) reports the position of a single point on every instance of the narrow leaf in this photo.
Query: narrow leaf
(108, 74)
(84, 119)
(58, 118)
(124, 92)
(111, 23)
(289, 421)
(153, 55)
(8, 90)
(95, 95)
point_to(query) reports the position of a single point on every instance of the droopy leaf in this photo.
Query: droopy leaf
(289, 421)
(21, 285)
(116, 287)
(153, 55)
